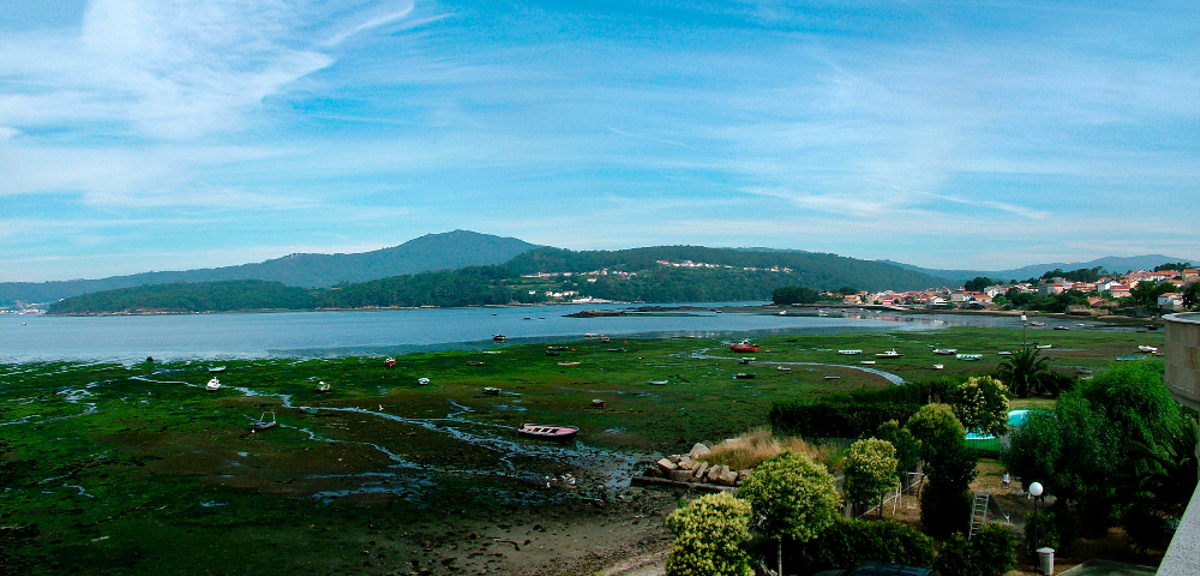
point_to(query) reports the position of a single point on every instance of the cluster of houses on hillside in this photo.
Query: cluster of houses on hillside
(1103, 293)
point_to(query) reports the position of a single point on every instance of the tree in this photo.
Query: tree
(1191, 295)
(794, 295)
(870, 471)
(1026, 372)
(908, 449)
(1176, 266)
(847, 290)
(950, 465)
(981, 405)
(937, 428)
(1146, 293)
(710, 537)
(792, 497)
(977, 284)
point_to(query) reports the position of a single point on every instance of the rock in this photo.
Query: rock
(744, 474)
(699, 473)
(676, 458)
(653, 472)
(680, 475)
(714, 473)
(728, 478)
(699, 451)
(688, 463)
(666, 465)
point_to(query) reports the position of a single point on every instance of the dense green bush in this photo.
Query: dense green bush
(870, 471)
(851, 542)
(992, 552)
(834, 419)
(1044, 524)
(711, 534)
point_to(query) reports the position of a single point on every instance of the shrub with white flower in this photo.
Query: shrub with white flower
(981, 404)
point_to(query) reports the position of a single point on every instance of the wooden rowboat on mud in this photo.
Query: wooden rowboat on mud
(548, 431)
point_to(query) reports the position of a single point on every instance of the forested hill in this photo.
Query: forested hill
(184, 297)
(447, 251)
(810, 269)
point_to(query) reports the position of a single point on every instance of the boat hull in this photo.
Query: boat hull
(743, 348)
(548, 432)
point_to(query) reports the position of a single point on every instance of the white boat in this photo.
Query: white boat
(216, 369)
(783, 369)
(849, 352)
(213, 385)
(969, 357)
(945, 351)
(1148, 349)
(659, 382)
(1004, 353)
(1043, 346)
(889, 354)
(422, 381)
(1036, 323)
(938, 367)
(322, 386)
(867, 362)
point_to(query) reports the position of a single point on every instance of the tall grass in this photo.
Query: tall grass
(750, 449)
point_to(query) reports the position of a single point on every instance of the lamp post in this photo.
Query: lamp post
(1036, 490)
(1024, 330)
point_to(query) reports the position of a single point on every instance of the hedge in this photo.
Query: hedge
(835, 420)
(850, 542)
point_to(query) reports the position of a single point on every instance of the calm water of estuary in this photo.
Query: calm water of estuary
(25, 338)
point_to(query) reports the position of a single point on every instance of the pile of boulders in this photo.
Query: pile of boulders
(690, 468)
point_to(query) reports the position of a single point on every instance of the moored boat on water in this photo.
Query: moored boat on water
(744, 346)
(548, 431)
(744, 375)
(498, 338)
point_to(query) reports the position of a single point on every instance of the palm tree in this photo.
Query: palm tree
(1025, 372)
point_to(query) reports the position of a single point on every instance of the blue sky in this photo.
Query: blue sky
(172, 134)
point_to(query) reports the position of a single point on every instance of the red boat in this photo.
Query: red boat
(390, 362)
(548, 431)
(744, 346)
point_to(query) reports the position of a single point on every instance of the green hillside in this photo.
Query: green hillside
(183, 297)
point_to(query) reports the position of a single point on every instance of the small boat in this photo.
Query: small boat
(783, 369)
(422, 381)
(1004, 353)
(1128, 357)
(1061, 328)
(867, 362)
(938, 367)
(591, 335)
(558, 348)
(969, 357)
(744, 346)
(850, 352)
(308, 410)
(616, 349)
(551, 353)
(745, 360)
(322, 386)
(548, 431)
(216, 369)
(213, 385)
(945, 351)
(603, 338)
(1043, 346)
(833, 377)
(658, 382)
(491, 391)
(889, 354)
(389, 362)
(783, 313)
(572, 363)
(263, 423)
(498, 338)
(1147, 349)
(474, 363)
(598, 403)
(744, 375)
(1037, 323)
